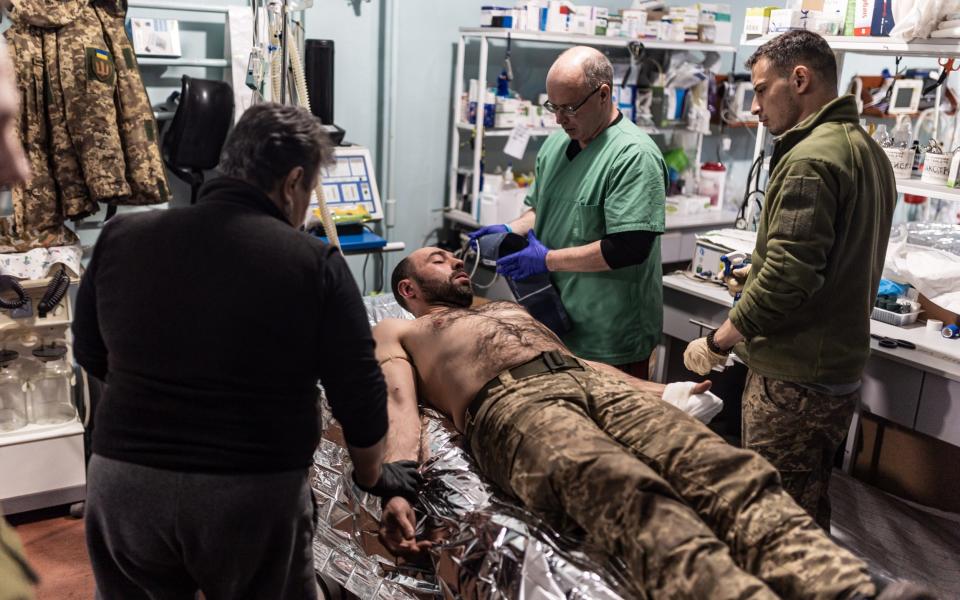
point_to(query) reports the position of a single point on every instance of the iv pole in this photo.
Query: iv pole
(285, 49)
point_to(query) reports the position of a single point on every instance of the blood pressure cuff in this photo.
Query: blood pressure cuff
(535, 293)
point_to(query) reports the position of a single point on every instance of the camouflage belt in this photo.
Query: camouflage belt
(552, 361)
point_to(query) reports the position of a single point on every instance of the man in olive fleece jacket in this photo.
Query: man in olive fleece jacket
(804, 316)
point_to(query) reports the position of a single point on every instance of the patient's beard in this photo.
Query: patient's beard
(447, 292)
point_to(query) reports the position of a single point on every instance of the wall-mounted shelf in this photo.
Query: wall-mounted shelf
(505, 132)
(547, 37)
(185, 6)
(843, 45)
(930, 190)
(146, 61)
(878, 45)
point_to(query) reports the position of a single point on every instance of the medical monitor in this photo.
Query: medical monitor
(905, 96)
(349, 182)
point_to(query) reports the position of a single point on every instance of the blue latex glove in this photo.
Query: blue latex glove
(485, 230)
(532, 260)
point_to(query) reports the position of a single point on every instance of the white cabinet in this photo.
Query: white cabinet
(939, 411)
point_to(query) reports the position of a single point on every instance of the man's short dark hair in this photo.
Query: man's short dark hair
(799, 47)
(403, 270)
(272, 139)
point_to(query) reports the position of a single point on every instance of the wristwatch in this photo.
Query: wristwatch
(712, 345)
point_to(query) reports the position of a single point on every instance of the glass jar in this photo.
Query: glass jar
(13, 399)
(51, 389)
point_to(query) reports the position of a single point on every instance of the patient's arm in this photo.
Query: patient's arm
(398, 521)
(403, 436)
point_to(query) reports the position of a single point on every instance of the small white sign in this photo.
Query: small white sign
(517, 143)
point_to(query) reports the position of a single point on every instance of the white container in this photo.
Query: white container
(936, 168)
(713, 181)
(901, 159)
(13, 400)
(893, 318)
(50, 399)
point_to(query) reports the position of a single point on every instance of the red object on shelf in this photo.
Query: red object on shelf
(913, 199)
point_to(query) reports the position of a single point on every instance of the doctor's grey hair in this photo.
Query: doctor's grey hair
(597, 71)
(270, 140)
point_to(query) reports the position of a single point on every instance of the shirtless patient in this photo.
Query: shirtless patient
(584, 445)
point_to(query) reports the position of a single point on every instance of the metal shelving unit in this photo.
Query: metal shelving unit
(459, 126)
(203, 63)
(878, 46)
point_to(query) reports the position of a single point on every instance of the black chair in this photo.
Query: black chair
(196, 134)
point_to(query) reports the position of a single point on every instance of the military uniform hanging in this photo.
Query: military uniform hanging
(86, 121)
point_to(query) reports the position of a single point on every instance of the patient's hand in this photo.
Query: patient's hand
(398, 529)
(701, 387)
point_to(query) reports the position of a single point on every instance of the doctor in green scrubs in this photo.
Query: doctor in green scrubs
(596, 211)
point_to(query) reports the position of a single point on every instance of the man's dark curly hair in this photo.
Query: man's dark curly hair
(799, 47)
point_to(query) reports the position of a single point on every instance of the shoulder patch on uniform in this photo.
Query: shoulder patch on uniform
(99, 65)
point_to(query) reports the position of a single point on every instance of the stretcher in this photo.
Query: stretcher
(486, 546)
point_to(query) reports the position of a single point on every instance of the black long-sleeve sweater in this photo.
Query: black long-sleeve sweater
(211, 326)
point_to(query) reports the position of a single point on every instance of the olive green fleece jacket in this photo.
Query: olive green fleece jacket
(821, 242)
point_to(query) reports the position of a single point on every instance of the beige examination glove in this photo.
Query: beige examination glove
(700, 359)
(736, 279)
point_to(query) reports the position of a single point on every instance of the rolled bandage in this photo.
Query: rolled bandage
(704, 407)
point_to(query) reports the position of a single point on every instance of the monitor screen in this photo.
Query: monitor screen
(350, 181)
(904, 97)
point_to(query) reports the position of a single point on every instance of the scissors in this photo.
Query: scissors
(948, 64)
(888, 342)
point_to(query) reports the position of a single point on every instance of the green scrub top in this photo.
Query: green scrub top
(616, 184)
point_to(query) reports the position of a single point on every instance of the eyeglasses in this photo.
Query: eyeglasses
(567, 109)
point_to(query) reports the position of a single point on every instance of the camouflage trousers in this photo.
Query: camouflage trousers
(688, 514)
(799, 431)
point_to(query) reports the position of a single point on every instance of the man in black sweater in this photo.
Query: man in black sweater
(211, 326)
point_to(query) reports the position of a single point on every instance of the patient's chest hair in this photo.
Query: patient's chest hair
(497, 326)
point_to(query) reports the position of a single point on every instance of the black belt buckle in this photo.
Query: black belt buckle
(554, 360)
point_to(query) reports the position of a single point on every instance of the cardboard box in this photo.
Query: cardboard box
(863, 17)
(719, 16)
(804, 4)
(908, 464)
(757, 21)
(788, 19)
(935, 311)
(882, 21)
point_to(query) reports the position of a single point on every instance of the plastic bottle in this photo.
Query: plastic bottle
(902, 133)
(882, 136)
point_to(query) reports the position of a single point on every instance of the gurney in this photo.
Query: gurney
(487, 545)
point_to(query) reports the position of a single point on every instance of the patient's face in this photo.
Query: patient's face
(441, 278)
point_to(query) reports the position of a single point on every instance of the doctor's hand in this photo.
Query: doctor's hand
(486, 230)
(399, 478)
(700, 359)
(532, 260)
(736, 279)
(398, 529)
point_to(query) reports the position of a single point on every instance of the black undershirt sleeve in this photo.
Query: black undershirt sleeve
(627, 248)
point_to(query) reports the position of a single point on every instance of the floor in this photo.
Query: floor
(898, 538)
(55, 547)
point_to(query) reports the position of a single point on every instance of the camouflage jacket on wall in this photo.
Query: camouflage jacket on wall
(86, 121)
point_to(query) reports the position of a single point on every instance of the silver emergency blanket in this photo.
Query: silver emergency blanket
(942, 236)
(485, 546)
